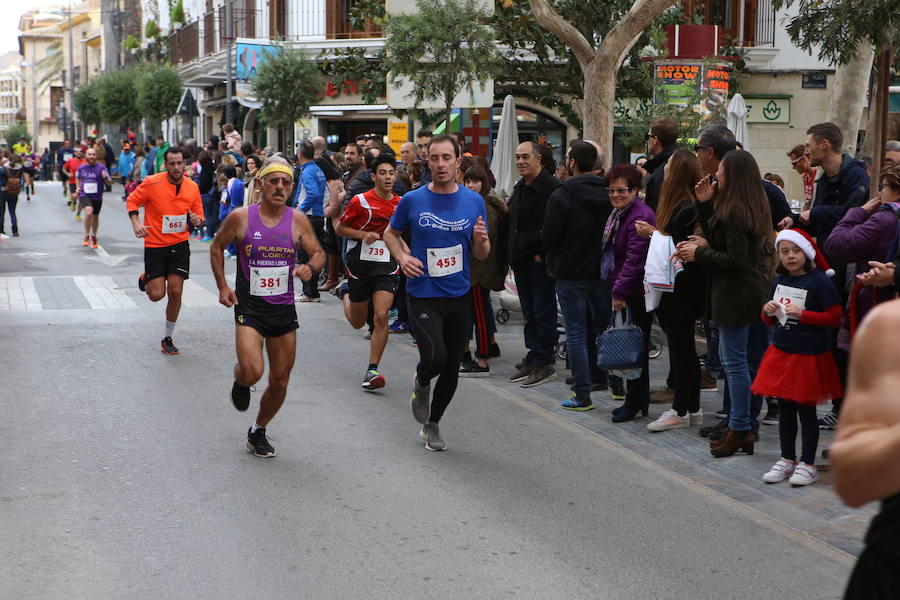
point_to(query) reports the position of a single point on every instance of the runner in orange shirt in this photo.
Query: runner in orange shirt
(170, 200)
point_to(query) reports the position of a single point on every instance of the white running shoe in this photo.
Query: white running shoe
(780, 471)
(669, 420)
(697, 417)
(804, 474)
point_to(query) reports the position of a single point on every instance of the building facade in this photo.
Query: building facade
(10, 91)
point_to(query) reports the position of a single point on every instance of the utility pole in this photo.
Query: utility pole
(71, 80)
(229, 80)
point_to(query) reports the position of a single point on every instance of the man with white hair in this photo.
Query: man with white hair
(269, 234)
(891, 154)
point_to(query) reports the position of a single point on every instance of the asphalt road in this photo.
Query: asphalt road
(124, 473)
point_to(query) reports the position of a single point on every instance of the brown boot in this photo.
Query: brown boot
(332, 280)
(732, 442)
(715, 442)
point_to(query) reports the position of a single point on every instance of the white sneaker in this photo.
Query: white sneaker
(780, 471)
(697, 417)
(804, 474)
(669, 420)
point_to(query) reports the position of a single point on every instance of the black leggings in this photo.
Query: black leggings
(440, 327)
(787, 430)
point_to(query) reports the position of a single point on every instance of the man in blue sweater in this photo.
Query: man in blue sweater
(308, 198)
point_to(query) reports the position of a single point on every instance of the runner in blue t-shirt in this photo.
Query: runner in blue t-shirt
(91, 178)
(446, 223)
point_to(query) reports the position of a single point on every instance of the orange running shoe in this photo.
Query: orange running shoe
(87, 241)
(94, 243)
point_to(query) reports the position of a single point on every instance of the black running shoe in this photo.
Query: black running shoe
(473, 369)
(258, 444)
(168, 347)
(240, 396)
(142, 282)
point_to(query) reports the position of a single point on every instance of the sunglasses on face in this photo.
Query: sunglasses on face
(650, 135)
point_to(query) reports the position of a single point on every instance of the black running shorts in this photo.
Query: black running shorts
(85, 201)
(330, 241)
(278, 321)
(168, 260)
(73, 188)
(361, 290)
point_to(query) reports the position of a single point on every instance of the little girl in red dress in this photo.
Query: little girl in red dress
(798, 368)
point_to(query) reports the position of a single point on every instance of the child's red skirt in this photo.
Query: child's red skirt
(802, 378)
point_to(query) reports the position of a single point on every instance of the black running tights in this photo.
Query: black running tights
(440, 327)
(787, 430)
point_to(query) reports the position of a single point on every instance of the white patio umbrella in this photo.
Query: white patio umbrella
(503, 163)
(737, 119)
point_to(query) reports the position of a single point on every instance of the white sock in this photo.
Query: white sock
(254, 428)
(170, 328)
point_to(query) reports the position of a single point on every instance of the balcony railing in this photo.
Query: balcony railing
(300, 21)
(745, 23)
(764, 34)
(184, 44)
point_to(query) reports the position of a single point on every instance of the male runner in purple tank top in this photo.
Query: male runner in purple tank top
(268, 235)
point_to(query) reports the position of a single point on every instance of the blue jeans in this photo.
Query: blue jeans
(733, 352)
(575, 299)
(757, 343)
(713, 362)
(210, 213)
(537, 295)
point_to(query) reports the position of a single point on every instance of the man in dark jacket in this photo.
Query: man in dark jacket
(576, 212)
(843, 185)
(660, 145)
(537, 290)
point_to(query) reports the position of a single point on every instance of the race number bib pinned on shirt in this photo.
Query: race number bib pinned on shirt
(90, 187)
(445, 261)
(174, 223)
(268, 281)
(375, 252)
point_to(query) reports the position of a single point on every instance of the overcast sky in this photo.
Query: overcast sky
(9, 27)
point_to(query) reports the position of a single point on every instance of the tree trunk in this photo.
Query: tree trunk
(876, 124)
(597, 106)
(447, 116)
(851, 81)
(600, 66)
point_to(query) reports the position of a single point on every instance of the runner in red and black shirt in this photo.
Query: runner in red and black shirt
(372, 273)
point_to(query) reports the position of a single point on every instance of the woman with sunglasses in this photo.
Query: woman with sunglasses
(738, 250)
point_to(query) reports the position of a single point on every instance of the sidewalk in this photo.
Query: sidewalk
(813, 511)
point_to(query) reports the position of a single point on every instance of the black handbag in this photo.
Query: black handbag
(622, 346)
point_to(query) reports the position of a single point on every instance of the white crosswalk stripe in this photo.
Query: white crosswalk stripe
(18, 293)
(100, 292)
(195, 295)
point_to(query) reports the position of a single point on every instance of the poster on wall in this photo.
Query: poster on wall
(700, 85)
(247, 59)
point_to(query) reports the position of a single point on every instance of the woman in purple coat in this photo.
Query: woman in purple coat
(867, 233)
(624, 255)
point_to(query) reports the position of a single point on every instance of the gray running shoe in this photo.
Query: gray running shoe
(540, 375)
(522, 373)
(432, 436)
(421, 401)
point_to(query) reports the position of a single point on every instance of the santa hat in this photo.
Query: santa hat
(808, 245)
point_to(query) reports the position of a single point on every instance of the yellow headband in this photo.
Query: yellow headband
(276, 168)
